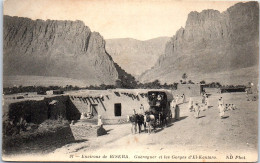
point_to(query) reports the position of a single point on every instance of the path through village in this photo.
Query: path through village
(209, 135)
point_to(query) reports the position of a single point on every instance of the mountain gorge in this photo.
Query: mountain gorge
(136, 56)
(57, 49)
(211, 44)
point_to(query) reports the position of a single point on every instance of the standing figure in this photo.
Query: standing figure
(177, 99)
(190, 106)
(177, 112)
(88, 115)
(141, 110)
(159, 97)
(173, 103)
(133, 120)
(140, 118)
(220, 101)
(100, 123)
(226, 107)
(247, 97)
(230, 107)
(207, 102)
(203, 99)
(183, 99)
(172, 107)
(82, 116)
(221, 110)
(197, 110)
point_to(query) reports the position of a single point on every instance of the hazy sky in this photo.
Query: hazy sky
(139, 19)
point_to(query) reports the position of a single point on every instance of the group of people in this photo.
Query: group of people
(224, 107)
(148, 118)
(139, 118)
(179, 99)
(196, 107)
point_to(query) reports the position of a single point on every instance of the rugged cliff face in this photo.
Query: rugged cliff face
(211, 42)
(56, 48)
(131, 54)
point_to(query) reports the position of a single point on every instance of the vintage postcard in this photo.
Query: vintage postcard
(130, 80)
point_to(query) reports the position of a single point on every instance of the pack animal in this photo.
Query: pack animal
(140, 122)
(164, 117)
(150, 120)
(135, 120)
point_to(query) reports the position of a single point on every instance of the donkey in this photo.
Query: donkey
(140, 122)
(150, 121)
(165, 117)
(133, 120)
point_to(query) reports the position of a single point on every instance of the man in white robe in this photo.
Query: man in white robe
(221, 110)
(197, 110)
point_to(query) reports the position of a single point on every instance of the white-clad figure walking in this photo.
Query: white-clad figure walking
(173, 104)
(100, 123)
(197, 110)
(221, 110)
(220, 101)
(177, 99)
(207, 102)
(183, 99)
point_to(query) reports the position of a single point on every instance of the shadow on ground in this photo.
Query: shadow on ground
(224, 117)
(201, 116)
(181, 118)
(78, 141)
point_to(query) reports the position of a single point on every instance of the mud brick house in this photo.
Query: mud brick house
(112, 105)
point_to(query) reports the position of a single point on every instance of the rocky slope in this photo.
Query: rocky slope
(211, 42)
(136, 56)
(56, 48)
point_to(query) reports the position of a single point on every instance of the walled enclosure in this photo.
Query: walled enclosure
(25, 126)
(212, 90)
(37, 111)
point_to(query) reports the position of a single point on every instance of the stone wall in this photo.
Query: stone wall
(17, 115)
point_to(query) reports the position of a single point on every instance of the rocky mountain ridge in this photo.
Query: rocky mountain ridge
(211, 42)
(57, 48)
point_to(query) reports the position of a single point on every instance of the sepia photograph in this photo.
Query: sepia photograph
(130, 80)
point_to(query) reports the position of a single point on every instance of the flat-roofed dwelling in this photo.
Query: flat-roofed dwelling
(112, 105)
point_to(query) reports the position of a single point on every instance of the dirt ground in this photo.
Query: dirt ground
(208, 138)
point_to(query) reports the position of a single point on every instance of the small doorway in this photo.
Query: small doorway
(118, 109)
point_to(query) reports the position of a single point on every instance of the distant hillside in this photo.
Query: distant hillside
(212, 43)
(53, 48)
(136, 56)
